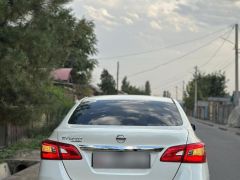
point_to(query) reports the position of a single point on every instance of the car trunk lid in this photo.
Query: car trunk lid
(152, 141)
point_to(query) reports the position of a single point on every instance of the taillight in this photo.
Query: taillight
(190, 153)
(195, 153)
(53, 150)
(174, 154)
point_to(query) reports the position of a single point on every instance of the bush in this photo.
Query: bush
(59, 102)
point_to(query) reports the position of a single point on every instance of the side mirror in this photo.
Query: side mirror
(193, 126)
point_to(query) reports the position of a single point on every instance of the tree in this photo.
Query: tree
(125, 85)
(166, 94)
(210, 85)
(83, 46)
(130, 89)
(147, 88)
(108, 84)
(35, 37)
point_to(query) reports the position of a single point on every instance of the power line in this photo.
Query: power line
(214, 55)
(173, 80)
(218, 66)
(217, 50)
(228, 65)
(173, 83)
(176, 58)
(165, 47)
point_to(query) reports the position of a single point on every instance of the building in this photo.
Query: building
(63, 77)
(202, 110)
(215, 109)
(219, 109)
(234, 99)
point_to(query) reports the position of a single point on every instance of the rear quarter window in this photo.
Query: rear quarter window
(126, 113)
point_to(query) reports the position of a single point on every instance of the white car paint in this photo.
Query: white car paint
(165, 136)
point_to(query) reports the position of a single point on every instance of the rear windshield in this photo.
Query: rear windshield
(126, 113)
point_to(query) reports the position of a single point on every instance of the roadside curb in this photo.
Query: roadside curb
(218, 126)
(208, 124)
(223, 128)
(238, 133)
(30, 173)
(24, 165)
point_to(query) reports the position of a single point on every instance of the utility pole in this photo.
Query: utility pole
(196, 90)
(236, 67)
(183, 90)
(176, 92)
(117, 76)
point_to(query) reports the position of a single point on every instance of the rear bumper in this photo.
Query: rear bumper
(193, 172)
(54, 170)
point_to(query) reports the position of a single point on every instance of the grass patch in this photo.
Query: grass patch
(28, 144)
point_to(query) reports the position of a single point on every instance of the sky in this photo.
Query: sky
(140, 34)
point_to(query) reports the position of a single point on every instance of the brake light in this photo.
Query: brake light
(195, 153)
(173, 154)
(190, 153)
(53, 150)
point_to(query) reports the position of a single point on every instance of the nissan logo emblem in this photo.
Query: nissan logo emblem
(120, 139)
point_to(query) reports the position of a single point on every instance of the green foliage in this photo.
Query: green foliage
(125, 85)
(147, 88)
(59, 102)
(108, 84)
(209, 85)
(25, 144)
(166, 94)
(45, 120)
(83, 91)
(82, 45)
(130, 89)
(35, 37)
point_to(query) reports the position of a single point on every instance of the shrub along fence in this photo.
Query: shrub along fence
(11, 133)
(42, 123)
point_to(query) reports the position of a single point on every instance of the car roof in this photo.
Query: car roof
(130, 97)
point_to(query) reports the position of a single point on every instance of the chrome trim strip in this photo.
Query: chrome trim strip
(121, 148)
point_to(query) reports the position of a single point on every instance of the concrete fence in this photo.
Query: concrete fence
(214, 109)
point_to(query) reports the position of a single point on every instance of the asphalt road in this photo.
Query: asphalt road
(223, 152)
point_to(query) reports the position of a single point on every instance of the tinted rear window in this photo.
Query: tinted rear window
(127, 113)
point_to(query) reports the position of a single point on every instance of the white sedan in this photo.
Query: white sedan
(124, 137)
